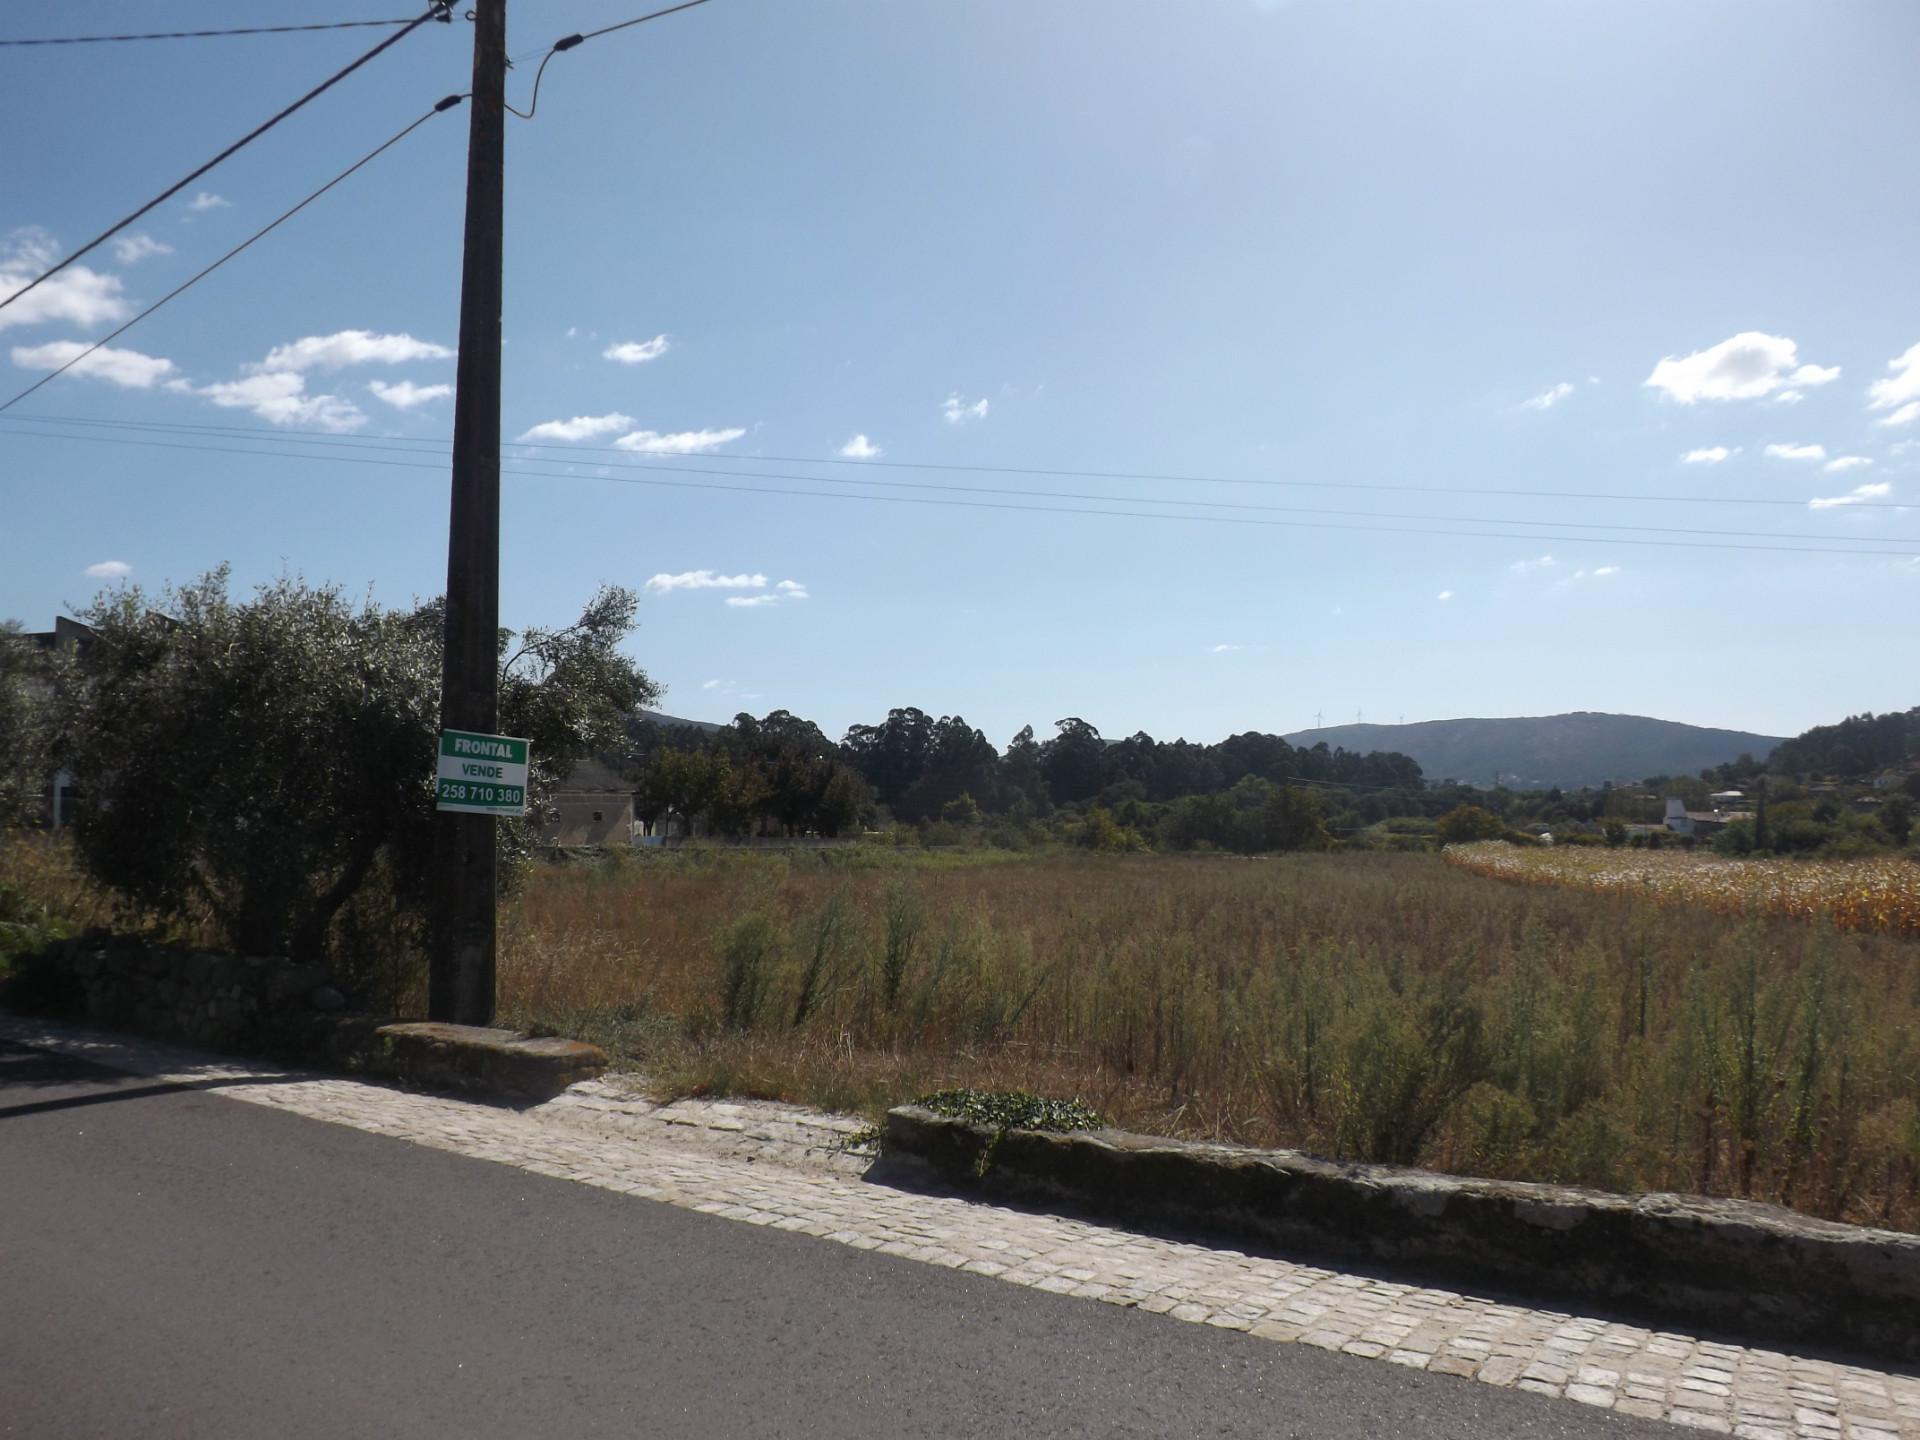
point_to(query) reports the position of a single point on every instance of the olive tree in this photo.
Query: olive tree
(27, 725)
(258, 759)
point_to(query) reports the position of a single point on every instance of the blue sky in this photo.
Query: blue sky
(1541, 248)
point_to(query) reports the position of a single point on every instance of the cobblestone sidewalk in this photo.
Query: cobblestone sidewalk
(778, 1165)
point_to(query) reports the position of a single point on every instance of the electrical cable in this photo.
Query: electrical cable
(262, 232)
(1265, 481)
(567, 42)
(990, 504)
(352, 443)
(206, 34)
(437, 10)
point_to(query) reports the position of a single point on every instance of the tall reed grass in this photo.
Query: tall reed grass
(1376, 1007)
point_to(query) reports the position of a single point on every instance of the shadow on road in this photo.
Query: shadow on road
(26, 1070)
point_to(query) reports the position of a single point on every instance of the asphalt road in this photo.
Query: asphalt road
(173, 1263)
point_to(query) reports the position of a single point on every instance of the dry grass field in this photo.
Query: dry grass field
(1367, 1006)
(1380, 1007)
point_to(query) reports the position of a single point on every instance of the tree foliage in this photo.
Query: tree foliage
(1857, 746)
(1464, 824)
(26, 727)
(260, 758)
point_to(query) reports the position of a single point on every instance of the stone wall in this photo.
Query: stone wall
(204, 997)
(1756, 1269)
(274, 1007)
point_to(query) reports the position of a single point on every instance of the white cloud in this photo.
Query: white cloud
(118, 367)
(580, 427)
(637, 352)
(77, 295)
(861, 448)
(1856, 496)
(1598, 572)
(1841, 463)
(206, 200)
(349, 347)
(679, 442)
(1788, 397)
(405, 395)
(1807, 376)
(713, 684)
(704, 580)
(1708, 455)
(1797, 452)
(280, 398)
(1899, 391)
(1532, 567)
(959, 411)
(1226, 649)
(1444, 595)
(109, 569)
(1749, 366)
(1547, 399)
(785, 591)
(137, 245)
(275, 388)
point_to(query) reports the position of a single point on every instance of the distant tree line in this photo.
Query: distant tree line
(1858, 746)
(781, 775)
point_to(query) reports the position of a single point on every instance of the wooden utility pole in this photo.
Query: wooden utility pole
(460, 979)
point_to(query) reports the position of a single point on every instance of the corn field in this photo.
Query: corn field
(1880, 895)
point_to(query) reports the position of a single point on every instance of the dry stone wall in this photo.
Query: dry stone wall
(205, 997)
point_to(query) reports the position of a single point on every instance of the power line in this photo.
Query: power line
(345, 442)
(1229, 480)
(437, 10)
(328, 437)
(437, 465)
(262, 232)
(205, 34)
(567, 42)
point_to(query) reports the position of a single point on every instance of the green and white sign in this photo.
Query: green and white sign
(482, 774)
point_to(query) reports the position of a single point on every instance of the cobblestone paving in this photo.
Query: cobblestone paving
(776, 1165)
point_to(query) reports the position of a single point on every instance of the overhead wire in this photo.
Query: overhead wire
(201, 34)
(447, 104)
(1128, 475)
(995, 504)
(568, 42)
(410, 447)
(437, 10)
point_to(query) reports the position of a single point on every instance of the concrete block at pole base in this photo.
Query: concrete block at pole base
(440, 1056)
(1747, 1268)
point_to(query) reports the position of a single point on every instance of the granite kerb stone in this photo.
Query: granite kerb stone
(472, 1057)
(1747, 1267)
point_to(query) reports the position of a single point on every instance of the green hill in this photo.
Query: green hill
(1537, 752)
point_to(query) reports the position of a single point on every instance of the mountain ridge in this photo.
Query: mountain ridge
(1579, 747)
